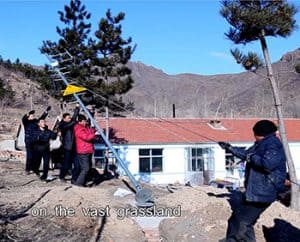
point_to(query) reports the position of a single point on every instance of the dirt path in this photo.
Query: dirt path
(65, 212)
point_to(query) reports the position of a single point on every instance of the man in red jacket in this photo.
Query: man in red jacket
(84, 136)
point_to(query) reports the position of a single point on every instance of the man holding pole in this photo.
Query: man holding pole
(84, 137)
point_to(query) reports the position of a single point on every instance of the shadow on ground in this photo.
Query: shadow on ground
(282, 231)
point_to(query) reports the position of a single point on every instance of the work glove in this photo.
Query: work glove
(32, 112)
(224, 145)
(48, 108)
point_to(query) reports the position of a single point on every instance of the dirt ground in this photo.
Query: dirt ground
(31, 210)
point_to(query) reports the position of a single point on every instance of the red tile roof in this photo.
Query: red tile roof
(179, 130)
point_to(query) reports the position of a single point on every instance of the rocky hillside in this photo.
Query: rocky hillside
(245, 94)
(230, 95)
(27, 95)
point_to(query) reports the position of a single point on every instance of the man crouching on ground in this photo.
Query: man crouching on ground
(84, 137)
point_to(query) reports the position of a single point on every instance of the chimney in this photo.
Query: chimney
(214, 122)
(174, 114)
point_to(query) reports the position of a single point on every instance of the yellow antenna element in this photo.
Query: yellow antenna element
(71, 89)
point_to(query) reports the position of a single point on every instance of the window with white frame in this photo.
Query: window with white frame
(150, 160)
(200, 159)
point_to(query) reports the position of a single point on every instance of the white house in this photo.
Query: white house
(180, 150)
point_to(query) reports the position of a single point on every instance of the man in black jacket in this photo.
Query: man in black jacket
(66, 127)
(264, 180)
(30, 125)
(42, 136)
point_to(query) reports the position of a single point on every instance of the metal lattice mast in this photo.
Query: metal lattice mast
(142, 195)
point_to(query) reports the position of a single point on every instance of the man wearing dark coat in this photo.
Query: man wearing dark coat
(30, 125)
(84, 139)
(42, 136)
(264, 179)
(66, 128)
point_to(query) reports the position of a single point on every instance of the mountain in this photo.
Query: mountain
(246, 94)
(229, 95)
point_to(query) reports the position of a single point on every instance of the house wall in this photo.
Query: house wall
(295, 151)
(220, 170)
(175, 162)
(174, 166)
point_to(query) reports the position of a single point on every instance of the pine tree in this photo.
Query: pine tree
(99, 62)
(251, 61)
(111, 54)
(74, 38)
(255, 20)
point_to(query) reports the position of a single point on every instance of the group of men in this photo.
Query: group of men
(265, 171)
(77, 143)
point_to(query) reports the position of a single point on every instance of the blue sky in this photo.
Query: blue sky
(176, 36)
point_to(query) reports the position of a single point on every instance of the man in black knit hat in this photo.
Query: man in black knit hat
(264, 180)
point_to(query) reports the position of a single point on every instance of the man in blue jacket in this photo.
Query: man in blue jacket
(264, 179)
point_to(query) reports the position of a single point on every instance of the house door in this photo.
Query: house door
(200, 164)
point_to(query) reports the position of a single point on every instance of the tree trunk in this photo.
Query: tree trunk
(295, 191)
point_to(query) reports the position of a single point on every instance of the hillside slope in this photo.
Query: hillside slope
(28, 95)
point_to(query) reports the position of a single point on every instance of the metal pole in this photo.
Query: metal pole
(131, 177)
(106, 121)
